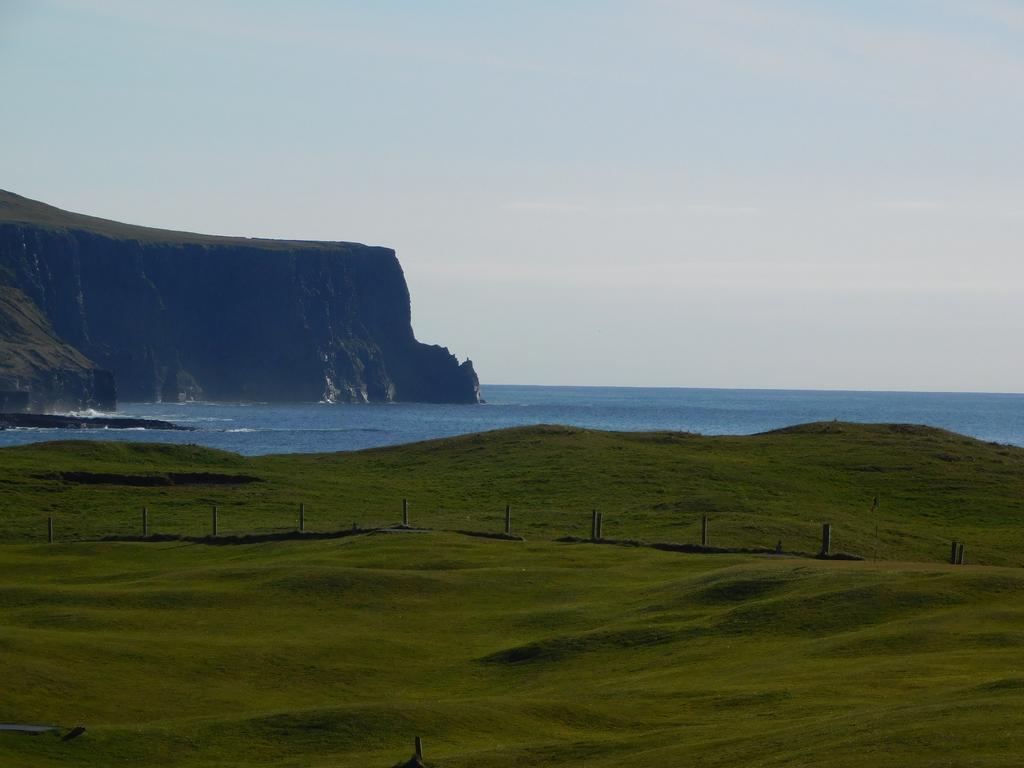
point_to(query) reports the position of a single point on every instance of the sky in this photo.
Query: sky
(773, 194)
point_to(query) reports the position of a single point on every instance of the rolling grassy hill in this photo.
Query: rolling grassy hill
(502, 654)
(933, 486)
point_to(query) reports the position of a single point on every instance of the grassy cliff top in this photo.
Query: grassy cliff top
(15, 209)
(933, 486)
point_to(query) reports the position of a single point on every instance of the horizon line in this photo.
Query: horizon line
(837, 390)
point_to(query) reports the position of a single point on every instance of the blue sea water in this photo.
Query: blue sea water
(316, 427)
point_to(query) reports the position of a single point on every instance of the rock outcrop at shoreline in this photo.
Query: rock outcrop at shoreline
(174, 316)
(51, 421)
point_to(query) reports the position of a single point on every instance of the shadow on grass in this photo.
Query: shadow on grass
(248, 538)
(490, 535)
(697, 549)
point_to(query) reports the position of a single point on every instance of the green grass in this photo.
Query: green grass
(503, 654)
(934, 486)
(535, 653)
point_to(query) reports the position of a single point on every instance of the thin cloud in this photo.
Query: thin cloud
(545, 206)
(896, 64)
(1009, 14)
(724, 209)
(911, 205)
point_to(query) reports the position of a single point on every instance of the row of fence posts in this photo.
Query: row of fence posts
(596, 528)
(215, 527)
(597, 532)
(956, 553)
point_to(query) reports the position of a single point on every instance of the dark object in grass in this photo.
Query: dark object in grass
(49, 421)
(416, 761)
(74, 733)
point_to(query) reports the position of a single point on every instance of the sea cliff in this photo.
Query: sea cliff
(179, 316)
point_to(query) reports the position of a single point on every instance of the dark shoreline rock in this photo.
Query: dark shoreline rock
(50, 421)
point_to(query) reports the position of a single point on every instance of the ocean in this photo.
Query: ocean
(254, 429)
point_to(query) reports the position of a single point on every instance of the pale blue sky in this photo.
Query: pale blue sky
(690, 193)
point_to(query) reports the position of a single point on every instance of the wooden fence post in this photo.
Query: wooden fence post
(600, 526)
(704, 530)
(952, 553)
(49, 530)
(419, 748)
(145, 522)
(214, 520)
(405, 512)
(508, 519)
(593, 525)
(302, 517)
(960, 554)
(826, 538)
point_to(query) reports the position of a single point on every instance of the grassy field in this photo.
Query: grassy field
(933, 486)
(536, 653)
(503, 654)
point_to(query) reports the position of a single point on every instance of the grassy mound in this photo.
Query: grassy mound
(934, 486)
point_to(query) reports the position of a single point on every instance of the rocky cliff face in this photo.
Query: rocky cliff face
(175, 316)
(38, 371)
